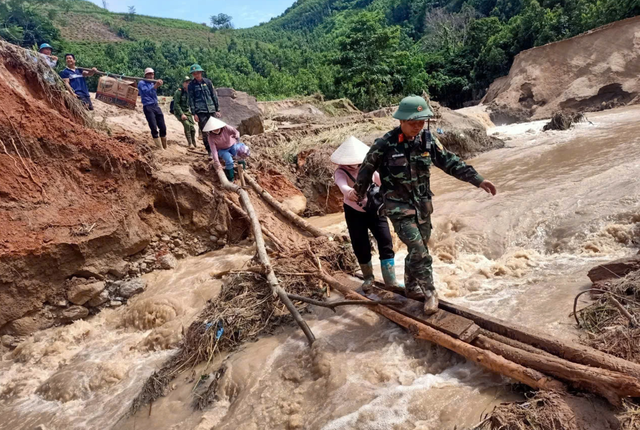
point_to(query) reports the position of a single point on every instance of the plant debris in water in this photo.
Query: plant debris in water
(607, 329)
(245, 310)
(563, 121)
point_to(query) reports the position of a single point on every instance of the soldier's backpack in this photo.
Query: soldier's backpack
(375, 199)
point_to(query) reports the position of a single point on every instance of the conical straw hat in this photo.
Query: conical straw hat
(351, 152)
(213, 124)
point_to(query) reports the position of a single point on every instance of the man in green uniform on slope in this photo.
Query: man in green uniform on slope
(181, 111)
(403, 157)
(203, 101)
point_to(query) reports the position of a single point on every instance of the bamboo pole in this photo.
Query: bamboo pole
(115, 75)
(486, 359)
(290, 216)
(262, 254)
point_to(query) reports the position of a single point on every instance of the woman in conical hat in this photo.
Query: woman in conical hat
(224, 142)
(348, 157)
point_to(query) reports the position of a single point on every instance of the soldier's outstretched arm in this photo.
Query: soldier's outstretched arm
(453, 165)
(370, 164)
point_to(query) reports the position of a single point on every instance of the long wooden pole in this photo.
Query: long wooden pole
(115, 75)
(564, 349)
(246, 217)
(262, 254)
(290, 216)
(486, 359)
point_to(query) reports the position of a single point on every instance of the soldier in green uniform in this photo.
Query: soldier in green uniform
(203, 101)
(404, 157)
(181, 111)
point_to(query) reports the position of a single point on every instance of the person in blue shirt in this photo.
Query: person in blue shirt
(74, 80)
(46, 51)
(151, 108)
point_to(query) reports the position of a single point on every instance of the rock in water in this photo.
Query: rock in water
(81, 293)
(100, 299)
(240, 110)
(132, 287)
(167, 261)
(74, 313)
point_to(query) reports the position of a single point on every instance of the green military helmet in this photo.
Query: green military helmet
(186, 79)
(413, 108)
(195, 68)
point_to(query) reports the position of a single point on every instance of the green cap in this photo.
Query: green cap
(196, 68)
(186, 78)
(413, 108)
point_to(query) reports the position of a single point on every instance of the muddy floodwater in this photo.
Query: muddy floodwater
(567, 201)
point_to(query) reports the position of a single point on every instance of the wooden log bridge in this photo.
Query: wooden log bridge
(524, 355)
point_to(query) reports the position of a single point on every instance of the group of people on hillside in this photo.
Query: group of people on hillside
(391, 179)
(195, 102)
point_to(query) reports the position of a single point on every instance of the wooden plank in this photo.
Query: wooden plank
(451, 324)
(567, 350)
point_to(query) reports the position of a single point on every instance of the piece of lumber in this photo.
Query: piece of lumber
(337, 303)
(262, 254)
(564, 349)
(115, 75)
(608, 383)
(290, 216)
(451, 324)
(568, 350)
(486, 359)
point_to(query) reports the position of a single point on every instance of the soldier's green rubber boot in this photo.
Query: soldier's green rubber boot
(388, 268)
(430, 302)
(367, 273)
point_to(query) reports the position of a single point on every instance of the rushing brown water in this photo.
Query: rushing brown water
(567, 201)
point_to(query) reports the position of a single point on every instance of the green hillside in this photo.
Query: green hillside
(371, 51)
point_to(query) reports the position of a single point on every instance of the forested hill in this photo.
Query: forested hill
(371, 51)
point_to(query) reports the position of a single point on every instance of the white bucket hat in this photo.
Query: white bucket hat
(148, 70)
(213, 124)
(351, 152)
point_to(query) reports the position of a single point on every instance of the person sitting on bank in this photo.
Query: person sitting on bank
(224, 142)
(360, 221)
(74, 80)
(151, 108)
(181, 111)
(45, 51)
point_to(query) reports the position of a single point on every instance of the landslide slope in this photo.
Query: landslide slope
(73, 201)
(589, 72)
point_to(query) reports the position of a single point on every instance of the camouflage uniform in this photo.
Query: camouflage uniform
(404, 168)
(181, 107)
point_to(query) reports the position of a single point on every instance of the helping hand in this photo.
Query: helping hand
(489, 187)
(183, 117)
(218, 115)
(196, 119)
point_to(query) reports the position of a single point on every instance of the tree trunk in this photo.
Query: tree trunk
(486, 359)
(290, 216)
(262, 254)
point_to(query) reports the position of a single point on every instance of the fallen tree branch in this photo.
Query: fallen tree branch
(244, 216)
(290, 216)
(337, 303)
(625, 313)
(262, 254)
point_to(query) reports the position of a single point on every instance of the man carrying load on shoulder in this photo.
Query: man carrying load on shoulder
(404, 157)
(74, 80)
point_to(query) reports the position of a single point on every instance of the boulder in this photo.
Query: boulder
(615, 269)
(81, 293)
(74, 313)
(240, 110)
(167, 261)
(100, 299)
(132, 287)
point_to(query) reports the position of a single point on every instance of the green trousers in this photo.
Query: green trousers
(418, 270)
(189, 130)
